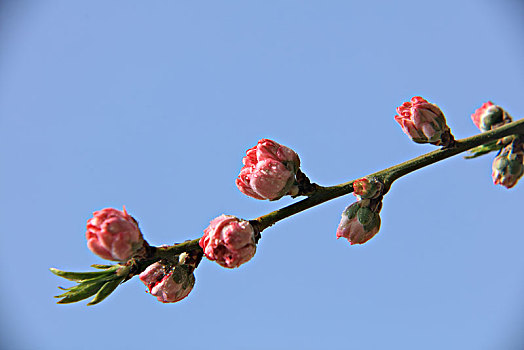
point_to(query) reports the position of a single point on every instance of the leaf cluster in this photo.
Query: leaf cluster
(98, 283)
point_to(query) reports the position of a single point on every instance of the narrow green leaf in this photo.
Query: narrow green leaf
(103, 267)
(82, 284)
(67, 290)
(479, 153)
(106, 289)
(82, 276)
(483, 149)
(79, 287)
(475, 155)
(83, 292)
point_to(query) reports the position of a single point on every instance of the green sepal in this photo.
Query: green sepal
(352, 210)
(492, 116)
(365, 216)
(373, 224)
(106, 289)
(81, 292)
(83, 276)
(515, 168)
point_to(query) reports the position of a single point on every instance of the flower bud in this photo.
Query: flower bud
(366, 188)
(490, 116)
(229, 241)
(269, 171)
(114, 235)
(168, 284)
(508, 166)
(423, 122)
(360, 221)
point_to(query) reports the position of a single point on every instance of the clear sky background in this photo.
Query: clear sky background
(152, 104)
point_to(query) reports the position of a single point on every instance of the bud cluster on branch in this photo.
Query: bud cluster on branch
(271, 171)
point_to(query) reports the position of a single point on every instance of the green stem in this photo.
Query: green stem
(320, 195)
(387, 176)
(170, 251)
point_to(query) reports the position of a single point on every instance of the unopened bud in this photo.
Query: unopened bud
(508, 166)
(424, 122)
(229, 241)
(167, 283)
(490, 116)
(269, 171)
(367, 188)
(114, 235)
(360, 221)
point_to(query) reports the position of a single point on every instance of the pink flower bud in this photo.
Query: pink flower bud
(422, 121)
(365, 188)
(360, 222)
(168, 284)
(114, 235)
(229, 241)
(490, 116)
(508, 167)
(269, 171)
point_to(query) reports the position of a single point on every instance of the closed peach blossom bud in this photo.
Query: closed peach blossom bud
(490, 116)
(269, 171)
(168, 284)
(114, 235)
(508, 166)
(367, 188)
(229, 241)
(423, 122)
(360, 222)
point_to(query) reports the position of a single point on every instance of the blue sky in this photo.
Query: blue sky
(152, 105)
